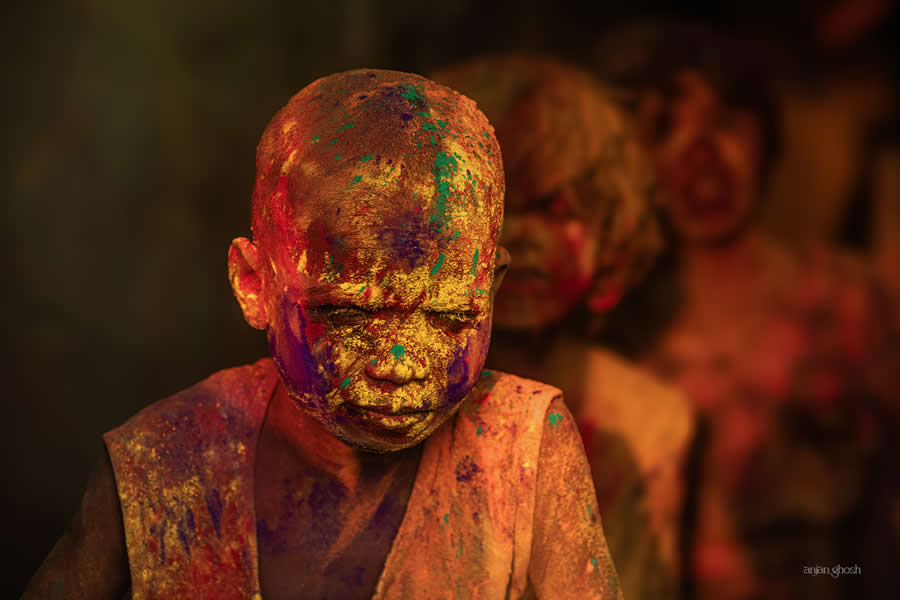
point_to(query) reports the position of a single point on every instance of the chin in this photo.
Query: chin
(379, 446)
(385, 442)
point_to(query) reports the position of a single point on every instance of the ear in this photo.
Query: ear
(244, 275)
(501, 266)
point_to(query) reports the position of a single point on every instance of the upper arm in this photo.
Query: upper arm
(89, 560)
(569, 555)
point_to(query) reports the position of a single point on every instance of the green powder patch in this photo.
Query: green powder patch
(398, 351)
(445, 167)
(414, 93)
(437, 264)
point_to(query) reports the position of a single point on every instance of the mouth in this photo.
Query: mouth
(386, 417)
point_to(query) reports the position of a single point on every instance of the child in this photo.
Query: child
(788, 357)
(580, 228)
(371, 455)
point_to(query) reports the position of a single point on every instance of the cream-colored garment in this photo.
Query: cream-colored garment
(656, 422)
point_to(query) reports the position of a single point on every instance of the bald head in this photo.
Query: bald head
(366, 140)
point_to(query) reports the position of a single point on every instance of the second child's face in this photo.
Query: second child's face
(706, 155)
(378, 325)
(553, 251)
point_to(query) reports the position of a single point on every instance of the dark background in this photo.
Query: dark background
(128, 163)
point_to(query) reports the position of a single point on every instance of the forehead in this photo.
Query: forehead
(393, 251)
(392, 236)
(384, 166)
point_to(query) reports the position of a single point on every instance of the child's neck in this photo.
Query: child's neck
(309, 442)
(725, 277)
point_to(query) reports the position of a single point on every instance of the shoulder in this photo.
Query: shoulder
(612, 378)
(654, 418)
(230, 390)
(494, 387)
(500, 425)
(509, 404)
(223, 410)
(827, 275)
(843, 291)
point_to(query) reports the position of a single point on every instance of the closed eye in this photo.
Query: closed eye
(341, 316)
(454, 320)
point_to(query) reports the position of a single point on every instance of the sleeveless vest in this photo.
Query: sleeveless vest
(184, 472)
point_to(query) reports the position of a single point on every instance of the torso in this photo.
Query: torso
(316, 537)
(208, 498)
(787, 434)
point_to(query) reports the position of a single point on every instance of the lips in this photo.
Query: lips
(385, 410)
(387, 418)
(705, 181)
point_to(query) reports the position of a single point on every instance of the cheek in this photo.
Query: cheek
(741, 156)
(572, 259)
(467, 360)
(293, 344)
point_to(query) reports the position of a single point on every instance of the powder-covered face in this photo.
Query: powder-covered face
(573, 242)
(376, 250)
(379, 331)
(706, 155)
(553, 246)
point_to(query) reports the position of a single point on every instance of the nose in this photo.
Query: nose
(398, 366)
(701, 152)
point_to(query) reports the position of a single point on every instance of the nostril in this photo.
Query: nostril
(397, 370)
(384, 385)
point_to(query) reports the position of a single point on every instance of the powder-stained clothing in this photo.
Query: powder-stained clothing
(637, 432)
(184, 471)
